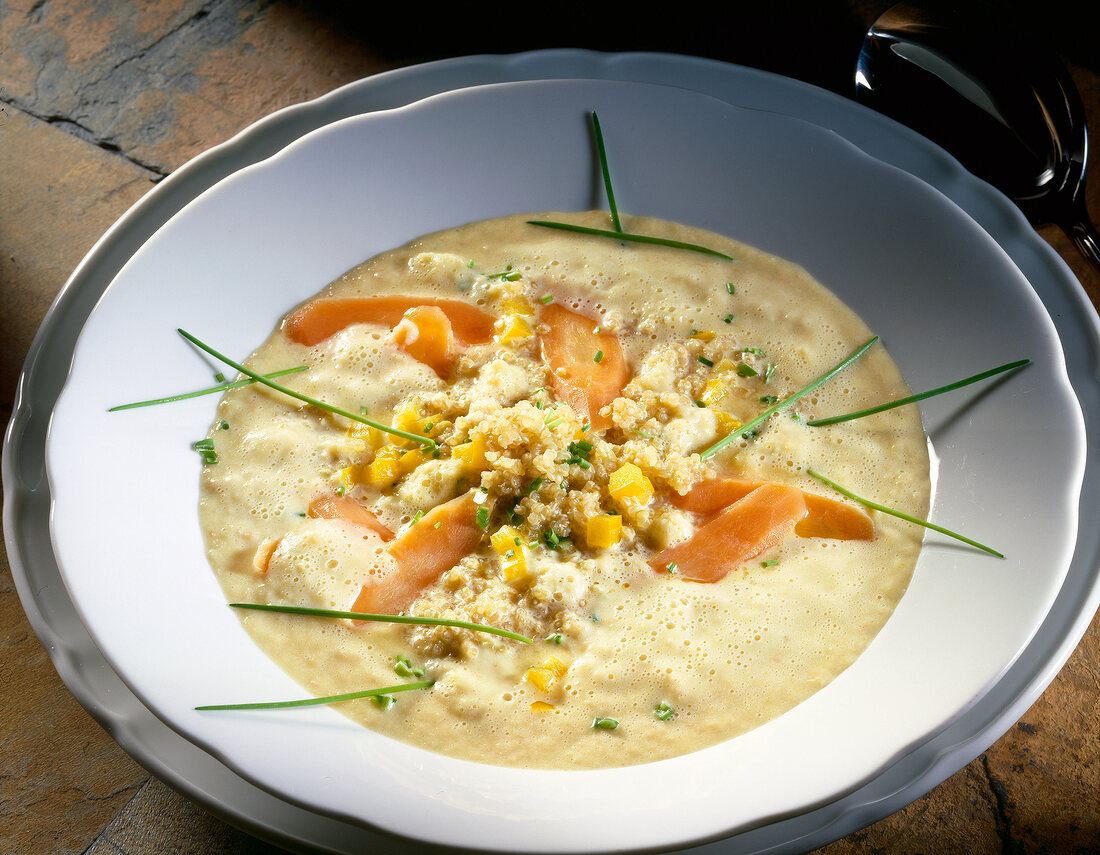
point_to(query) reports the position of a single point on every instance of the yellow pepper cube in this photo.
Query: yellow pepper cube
(515, 328)
(703, 335)
(604, 530)
(471, 454)
(725, 422)
(508, 543)
(543, 677)
(408, 461)
(629, 482)
(349, 475)
(517, 305)
(542, 706)
(383, 471)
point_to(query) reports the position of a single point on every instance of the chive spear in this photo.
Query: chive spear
(327, 699)
(900, 402)
(260, 378)
(748, 427)
(617, 233)
(367, 616)
(606, 173)
(222, 388)
(899, 514)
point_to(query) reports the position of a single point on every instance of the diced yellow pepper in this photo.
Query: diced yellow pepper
(364, 436)
(349, 475)
(515, 329)
(629, 482)
(542, 706)
(703, 335)
(544, 676)
(725, 422)
(506, 538)
(471, 454)
(508, 543)
(383, 471)
(604, 530)
(517, 305)
(408, 461)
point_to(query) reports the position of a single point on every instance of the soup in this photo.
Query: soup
(553, 467)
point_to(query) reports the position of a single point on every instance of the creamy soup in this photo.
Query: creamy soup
(560, 396)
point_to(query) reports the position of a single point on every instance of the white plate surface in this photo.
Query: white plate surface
(944, 297)
(186, 765)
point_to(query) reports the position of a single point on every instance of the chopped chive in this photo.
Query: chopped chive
(606, 173)
(534, 485)
(598, 356)
(751, 426)
(901, 516)
(768, 372)
(367, 616)
(900, 402)
(223, 426)
(403, 667)
(671, 567)
(707, 362)
(554, 638)
(630, 236)
(385, 702)
(768, 399)
(702, 405)
(205, 448)
(730, 289)
(755, 351)
(327, 699)
(771, 562)
(482, 517)
(746, 370)
(416, 517)
(219, 377)
(664, 711)
(728, 319)
(546, 299)
(421, 440)
(210, 391)
(603, 723)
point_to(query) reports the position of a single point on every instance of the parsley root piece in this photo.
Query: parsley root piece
(825, 517)
(587, 366)
(319, 319)
(421, 554)
(755, 523)
(349, 510)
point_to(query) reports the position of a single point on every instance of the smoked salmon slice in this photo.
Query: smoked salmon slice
(755, 523)
(586, 364)
(319, 319)
(825, 517)
(421, 554)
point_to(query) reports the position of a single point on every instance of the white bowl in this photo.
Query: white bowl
(944, 297)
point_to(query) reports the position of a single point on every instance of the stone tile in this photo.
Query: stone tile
(164, 81)
(158, 820)
(52, 802)
(959, 816)
(68, 193)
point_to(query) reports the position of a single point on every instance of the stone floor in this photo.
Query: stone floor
(100, 100)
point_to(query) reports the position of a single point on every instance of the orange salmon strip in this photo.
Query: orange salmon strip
(570, 348)
(825, 517)
(421, 554)
(752, 525)
(425, 334)
(317, 320)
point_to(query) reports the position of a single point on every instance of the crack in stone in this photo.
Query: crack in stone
(1003, 808)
